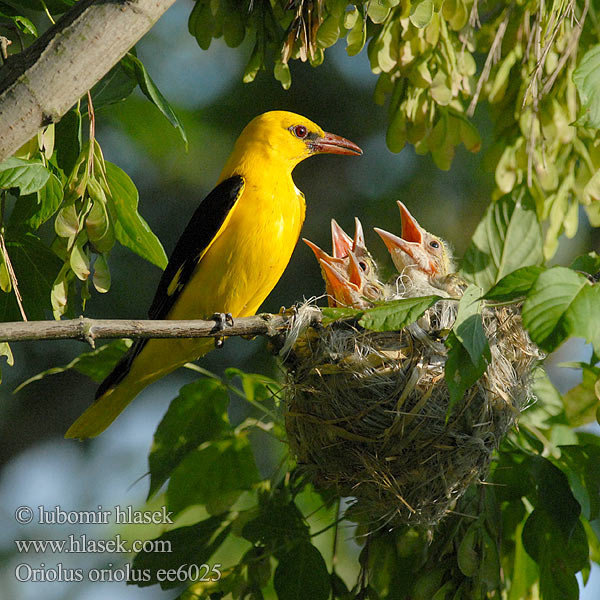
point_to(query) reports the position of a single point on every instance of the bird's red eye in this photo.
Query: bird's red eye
(300, 131)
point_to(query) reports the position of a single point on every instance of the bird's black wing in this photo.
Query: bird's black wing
(200, 231)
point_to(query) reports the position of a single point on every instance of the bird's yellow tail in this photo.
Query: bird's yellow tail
(145, 362)
(103, 411)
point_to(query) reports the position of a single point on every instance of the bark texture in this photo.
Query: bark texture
(39, 85)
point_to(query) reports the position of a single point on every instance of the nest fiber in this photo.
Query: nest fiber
(366, 412)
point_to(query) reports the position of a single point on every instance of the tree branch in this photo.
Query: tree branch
(89, 330)
(39, 85)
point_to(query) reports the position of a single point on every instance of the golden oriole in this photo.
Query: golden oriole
(230, 256)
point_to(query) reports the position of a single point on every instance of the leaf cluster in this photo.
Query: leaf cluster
(524, 535)
(63, 207)
(435, 61)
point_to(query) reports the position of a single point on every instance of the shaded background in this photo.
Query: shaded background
(37, 466)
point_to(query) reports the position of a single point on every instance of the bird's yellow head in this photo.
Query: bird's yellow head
(284, 137)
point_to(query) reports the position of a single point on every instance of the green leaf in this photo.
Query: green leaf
(396, 314)
(27, 175)
(549, 403)
(587, 80)
(255, 62)
(524, 572)
(214, 475)
(468, 556)
(67, 146)
(282, 73)
(583, 470)
(553, 494)
(382, 563)
(234, 28)
(197, 415)
(588, 263)
(490, 562)
(98, 224)
(357, 36)
(49, 198)
(508, 238)
(329, 31)
(468, 326)
(276, 524)
(256, 387)
(193, 545)
(558, 557)
(339, 312)
(148, 87)
(101, 278)
(8, 13)
(7, 353)
(302, 573)
(582, 401)
(562, 303)
(5, 281)
(421, 13)
(115, 86)
(96, 364)
(515, 284)
(460, 370)
(36, 267)
(34, 210)
(130, 228)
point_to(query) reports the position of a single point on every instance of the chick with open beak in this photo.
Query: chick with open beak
(350, 273)
(424, 259)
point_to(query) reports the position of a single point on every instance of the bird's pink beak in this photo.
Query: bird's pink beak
(330, 143)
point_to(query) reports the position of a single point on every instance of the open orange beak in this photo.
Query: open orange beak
(330, 143)
(410, 243)
(359, 236)
(322, 255)
(340, 240)
(342, 243)
(340, 290)
(395, 243)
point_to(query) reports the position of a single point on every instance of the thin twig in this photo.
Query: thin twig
(573, 43)
(491, 58)
(13, 277)
(88, 330)
(6, 258)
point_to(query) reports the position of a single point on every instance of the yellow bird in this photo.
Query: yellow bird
(230, 256)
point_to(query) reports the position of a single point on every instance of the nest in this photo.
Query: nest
(366, 412)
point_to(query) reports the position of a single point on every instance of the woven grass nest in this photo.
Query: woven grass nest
(366, 411)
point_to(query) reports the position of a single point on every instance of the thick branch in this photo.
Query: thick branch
(88, 330)
(38, 86)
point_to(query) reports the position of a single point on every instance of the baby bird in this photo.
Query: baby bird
(350, 273)
(424, 261)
